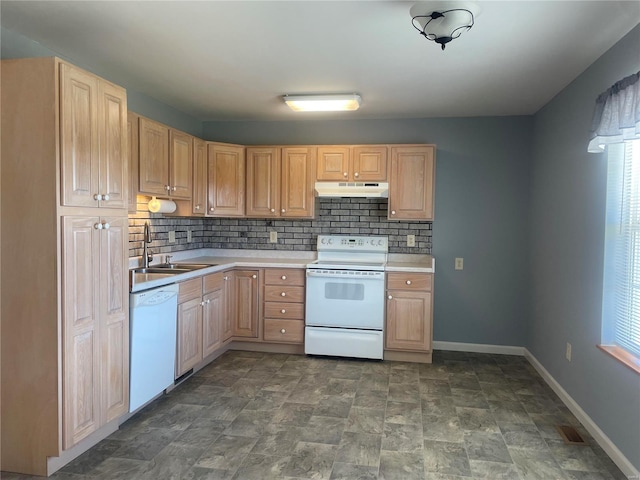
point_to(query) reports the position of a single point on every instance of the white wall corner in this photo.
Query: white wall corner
(603, 440)
(478, 348)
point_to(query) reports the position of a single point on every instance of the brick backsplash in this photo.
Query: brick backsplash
(345, 216)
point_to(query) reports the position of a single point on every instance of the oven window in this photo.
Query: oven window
(343, 291)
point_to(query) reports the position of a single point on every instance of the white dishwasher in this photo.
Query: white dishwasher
(153, 319)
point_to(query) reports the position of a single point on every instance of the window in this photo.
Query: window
(621, 293)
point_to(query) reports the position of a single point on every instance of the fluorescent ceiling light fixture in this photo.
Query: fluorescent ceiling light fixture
(323, 103)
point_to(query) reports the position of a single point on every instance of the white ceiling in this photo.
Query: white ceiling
(234, 60)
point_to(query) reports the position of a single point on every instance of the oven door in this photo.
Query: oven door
(345, 298)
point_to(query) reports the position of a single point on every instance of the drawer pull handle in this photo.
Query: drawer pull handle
(283, 311)
(283, 294)
(390, 297)
(408, 282)
(283, 331)
(283, 277)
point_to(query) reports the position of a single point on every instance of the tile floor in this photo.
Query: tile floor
(271, 416)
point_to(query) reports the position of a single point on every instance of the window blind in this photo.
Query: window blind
(621, 306)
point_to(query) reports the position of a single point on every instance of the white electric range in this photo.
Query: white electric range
(345, 297)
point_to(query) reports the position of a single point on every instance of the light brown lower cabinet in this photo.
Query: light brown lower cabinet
(200, 315)
(284, 305)
(246, 303)
(229, 307)
(409, 312)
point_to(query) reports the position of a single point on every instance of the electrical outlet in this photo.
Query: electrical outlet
(459, 265)
(411, 240)
(189, 236)
(273, 237)
(568, 352)
(172, 236)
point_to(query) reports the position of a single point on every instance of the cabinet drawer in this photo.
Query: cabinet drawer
(284, 276)
(409, 281)
(212, 282)
(284, 310)
(189, 290)
(283, 293)
(286, 331)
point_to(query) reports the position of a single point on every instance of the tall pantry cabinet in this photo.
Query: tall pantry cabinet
(64, 304)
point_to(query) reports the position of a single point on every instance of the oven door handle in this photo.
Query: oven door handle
(338, 274)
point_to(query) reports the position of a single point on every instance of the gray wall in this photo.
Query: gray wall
(568, 214)
(482, 191)
(14, 45)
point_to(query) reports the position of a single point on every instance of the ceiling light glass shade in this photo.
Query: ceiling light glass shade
(442, 22)
(322, 103)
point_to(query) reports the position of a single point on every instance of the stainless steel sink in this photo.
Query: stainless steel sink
(182, 266)
(166, 271)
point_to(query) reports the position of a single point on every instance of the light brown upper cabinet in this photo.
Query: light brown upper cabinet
(411, 185)
(297, 196)
(199, 198)
(226, 180)
(166, 157)
(280, 182)
(93, 145)
(132, 134)
(366, 163)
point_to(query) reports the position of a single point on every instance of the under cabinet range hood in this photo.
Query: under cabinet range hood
(352, 189)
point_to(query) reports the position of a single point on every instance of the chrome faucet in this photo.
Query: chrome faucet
(146, 256)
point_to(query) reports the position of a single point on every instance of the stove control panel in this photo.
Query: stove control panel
(347, 243)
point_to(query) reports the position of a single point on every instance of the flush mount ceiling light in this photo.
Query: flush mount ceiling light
(323, 103)
(442, 22)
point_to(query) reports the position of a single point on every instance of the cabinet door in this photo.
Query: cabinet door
(153, 158)
(369, 163)
(408, 321)
(246, 317)
(298, 165)
(263, 182)
(228, 321)
(79, 143)
(132, 136)
(333, 163)
(199, 198)
(411, 183)
(114, 168)
(213, 312)
(80, 328)
(189, 348)
(226, 173)
(114, 317)
(180, 164)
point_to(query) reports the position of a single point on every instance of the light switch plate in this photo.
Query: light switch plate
(273, 237)
(411, 240)
(172, 236)
(459, 265)
(189, 236)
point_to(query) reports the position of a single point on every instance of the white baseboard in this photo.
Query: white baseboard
(478, 348)
(605, 442)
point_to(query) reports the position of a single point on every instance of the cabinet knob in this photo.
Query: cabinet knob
(273, 210)
(197, 207)
(105, 225)
(390, 297)
(283, 294)
(105, 197)
(393, 212)
(345, 174)
(208, 301)
(225, 278)
(283, 311)
(211, 209)
(283, 331)
(167, 188)
(283, 210)
(97, 196)
(408, 282)
(202, 304)
(97, 226)
(356, 174)
(174, 188)
(283, 277)
(254, 276)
